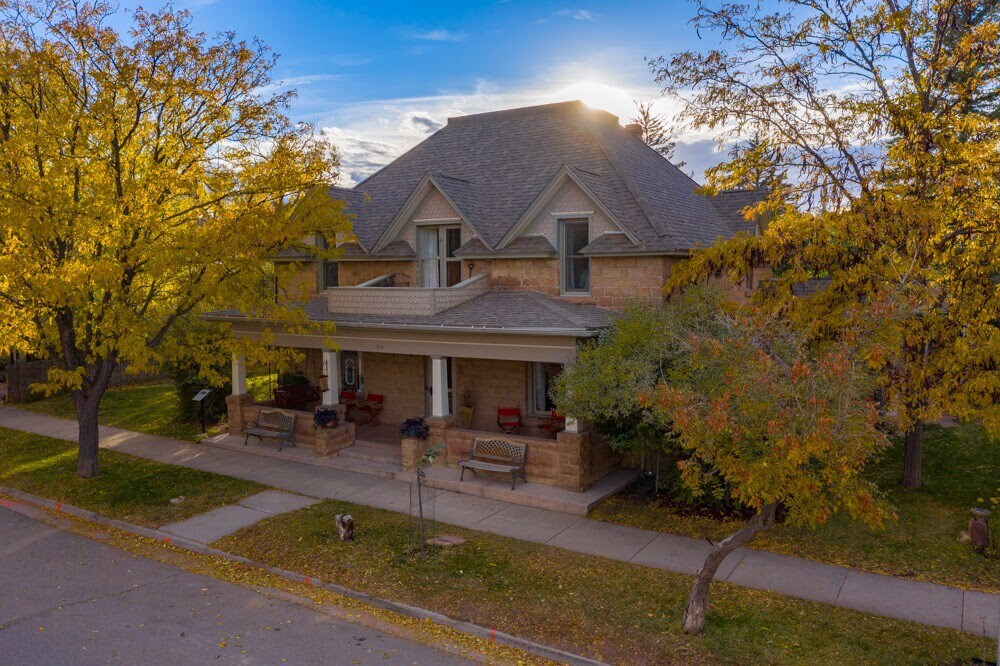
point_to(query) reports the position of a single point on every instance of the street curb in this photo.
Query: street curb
(492, 635)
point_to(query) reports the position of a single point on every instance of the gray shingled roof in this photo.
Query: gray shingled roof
(292, 254)
(810, 286)
(495, 310)
(493, 166)
(530, 245)
(611, 243)
(731, 204)
(395, 250)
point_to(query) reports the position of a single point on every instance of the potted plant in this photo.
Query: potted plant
(414, 433)
(467, 407)
(415, 428)
(325, 417)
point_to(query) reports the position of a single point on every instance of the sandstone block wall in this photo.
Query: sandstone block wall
(353, 273)
(400, 378)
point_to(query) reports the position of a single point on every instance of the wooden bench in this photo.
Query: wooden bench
(272, 424)
(496, 454)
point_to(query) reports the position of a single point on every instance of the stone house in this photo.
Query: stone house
(483, 256)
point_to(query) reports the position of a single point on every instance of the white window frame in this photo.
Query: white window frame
(441, 258)
(561, 246)
(533, 376)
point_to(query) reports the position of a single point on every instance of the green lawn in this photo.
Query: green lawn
(611, 610)
(961, 466)
(151, 409)
(128, 488)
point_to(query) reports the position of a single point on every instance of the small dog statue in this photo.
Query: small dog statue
(345, 526)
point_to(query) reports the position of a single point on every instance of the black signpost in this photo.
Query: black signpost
(200, 399)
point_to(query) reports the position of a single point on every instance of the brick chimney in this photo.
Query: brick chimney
(635, 129)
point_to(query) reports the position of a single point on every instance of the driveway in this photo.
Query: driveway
(67, 599)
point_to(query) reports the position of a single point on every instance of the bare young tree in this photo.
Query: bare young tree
(656, 131)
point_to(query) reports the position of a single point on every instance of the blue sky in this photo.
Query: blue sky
(377, 78)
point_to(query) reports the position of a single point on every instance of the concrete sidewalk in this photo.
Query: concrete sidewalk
(927, 603)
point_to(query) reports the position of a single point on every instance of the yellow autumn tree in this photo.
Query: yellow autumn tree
(878, 124)
(147, 177)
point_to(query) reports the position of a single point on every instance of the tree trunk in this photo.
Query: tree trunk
(86, 417)
(913, 456)
(697, 605)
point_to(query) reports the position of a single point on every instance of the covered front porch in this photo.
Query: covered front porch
(435, 375)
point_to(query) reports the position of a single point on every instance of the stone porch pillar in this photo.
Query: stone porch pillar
(236, 412)
(573, 459)
(331, 368)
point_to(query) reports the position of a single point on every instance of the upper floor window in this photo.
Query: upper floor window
(574, 267)
(439, 267)
(328, 270)
(330, 275)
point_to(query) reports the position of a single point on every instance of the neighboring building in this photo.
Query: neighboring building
(486, 253)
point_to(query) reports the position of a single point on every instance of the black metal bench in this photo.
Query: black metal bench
(272, 424)
(496, 455)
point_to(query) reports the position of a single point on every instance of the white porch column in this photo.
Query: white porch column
(239, 374)
(439, 386)
(331, 368)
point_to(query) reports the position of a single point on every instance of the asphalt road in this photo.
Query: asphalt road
(67, 599)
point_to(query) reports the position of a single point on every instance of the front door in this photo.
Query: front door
(429, 390)
(439, 267)
(349, 370)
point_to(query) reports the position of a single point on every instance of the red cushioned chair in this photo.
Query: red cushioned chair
(369, 411)
(553, 425)
(509, 419)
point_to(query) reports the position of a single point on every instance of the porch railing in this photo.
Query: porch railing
(375, 298)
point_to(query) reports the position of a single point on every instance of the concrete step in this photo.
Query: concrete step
(306, 454)
(372, 453)
(385, 470)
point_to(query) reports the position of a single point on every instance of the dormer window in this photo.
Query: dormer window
(436, 245)
(574, 268)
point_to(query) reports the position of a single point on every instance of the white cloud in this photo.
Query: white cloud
(438, 35)
(578, 14)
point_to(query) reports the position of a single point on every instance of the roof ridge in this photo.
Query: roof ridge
(567, 105)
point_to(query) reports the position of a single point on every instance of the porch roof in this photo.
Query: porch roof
(526, 312)
(514, 325)
(508, 311)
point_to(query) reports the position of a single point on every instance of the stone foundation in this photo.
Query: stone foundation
(413, 449)
(236, 412)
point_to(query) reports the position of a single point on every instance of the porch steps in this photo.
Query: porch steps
(305, 454)
(373, 452)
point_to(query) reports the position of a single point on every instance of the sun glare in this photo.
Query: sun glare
(598, 95)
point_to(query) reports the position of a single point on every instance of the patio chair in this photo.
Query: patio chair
(370, 410)
(349, 399)
(553, 425)
(509, 418)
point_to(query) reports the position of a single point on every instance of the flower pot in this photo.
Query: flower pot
(466, 415)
